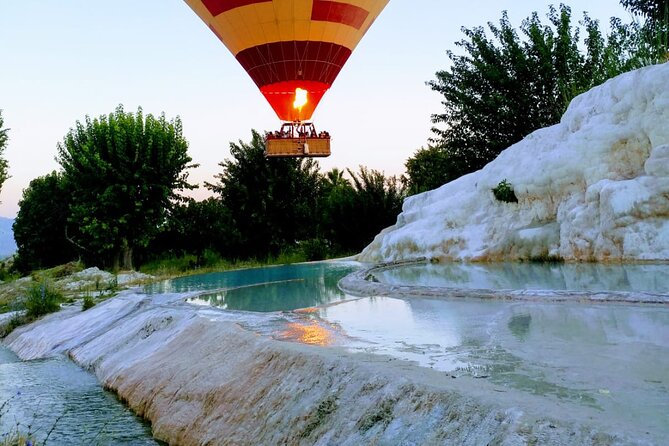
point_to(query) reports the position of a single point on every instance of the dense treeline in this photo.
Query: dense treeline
(263, 207)
(115, 202)
(117, 196)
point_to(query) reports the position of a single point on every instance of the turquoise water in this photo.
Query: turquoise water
(280, 288)
(55, 395)
(651, 278)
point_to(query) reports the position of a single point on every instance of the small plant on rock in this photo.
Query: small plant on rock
(112, 285)
(89, 302)
(504, 192)
(41, 299)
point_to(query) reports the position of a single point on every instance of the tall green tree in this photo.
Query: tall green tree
(272, 201)
(503, 88)
(4, 139)
(124, 170)
(353, 212)
(41, 227)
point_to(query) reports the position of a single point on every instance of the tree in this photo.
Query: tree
(4, 138)
(653, 10)
(124, 171)
(352, 213)
(194, 228)
(501, 89)
(272, 201)
(656, 14)
(40, 228)
(430, 168)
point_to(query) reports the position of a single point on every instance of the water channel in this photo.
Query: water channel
(55, 398)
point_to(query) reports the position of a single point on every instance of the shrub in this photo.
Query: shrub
(89, 302)
(41, 299)
(16, 321)
(112, 285)
(315, 249)
(504, 192)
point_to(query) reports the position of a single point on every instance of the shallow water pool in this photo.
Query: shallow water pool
(650, 278)
(55, 398)
(608, 361)
(278, 288)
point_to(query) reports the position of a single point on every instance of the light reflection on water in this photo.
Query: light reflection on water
(652, 278)
(308, 332)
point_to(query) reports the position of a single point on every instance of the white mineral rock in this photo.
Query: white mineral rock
(200, 378)
(593, 187)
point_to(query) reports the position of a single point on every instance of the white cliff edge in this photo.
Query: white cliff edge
(594, 187)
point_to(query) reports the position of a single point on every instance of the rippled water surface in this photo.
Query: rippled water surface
(55, 395)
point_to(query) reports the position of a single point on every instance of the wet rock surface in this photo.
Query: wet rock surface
(203, 379)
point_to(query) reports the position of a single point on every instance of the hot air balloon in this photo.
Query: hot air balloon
(293, 50)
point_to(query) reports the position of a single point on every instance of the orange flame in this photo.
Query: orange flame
(300, 98)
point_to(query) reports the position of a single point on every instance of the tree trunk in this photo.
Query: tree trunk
(126, 256)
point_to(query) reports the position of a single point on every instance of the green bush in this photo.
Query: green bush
(89, 302)
(315, 249)
(504, 192)
(41, 299)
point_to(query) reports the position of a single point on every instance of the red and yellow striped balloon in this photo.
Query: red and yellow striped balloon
(290, 47)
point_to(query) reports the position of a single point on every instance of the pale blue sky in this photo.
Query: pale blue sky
(62, 60)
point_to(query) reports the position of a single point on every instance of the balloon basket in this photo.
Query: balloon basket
(297, 140)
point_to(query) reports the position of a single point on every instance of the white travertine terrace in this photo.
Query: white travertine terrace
(594, 187)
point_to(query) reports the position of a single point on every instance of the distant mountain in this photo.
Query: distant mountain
(7, 243)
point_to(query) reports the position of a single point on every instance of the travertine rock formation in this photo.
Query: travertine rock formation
(593, 187)
(203, 380)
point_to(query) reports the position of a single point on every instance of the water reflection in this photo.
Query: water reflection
(653, 278)
(411, 329)
(281, 288)
(519, 325)
(611, 357)
(307, 333)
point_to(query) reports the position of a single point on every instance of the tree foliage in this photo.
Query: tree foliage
(40, 227)
(123, 171)
(501, 88)
(354, 212)
(654, 10)
(430, 168)
(195, 227)
(272, 202)
(4, 139)
(656, 15)
(495, 95)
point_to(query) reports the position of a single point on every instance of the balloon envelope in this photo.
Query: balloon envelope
(290, 45)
